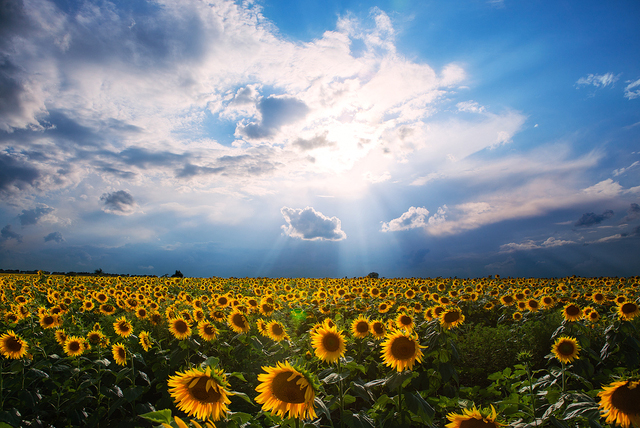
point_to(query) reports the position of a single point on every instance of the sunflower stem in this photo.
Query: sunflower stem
(340, 394)
(563, 370)
(400, 409)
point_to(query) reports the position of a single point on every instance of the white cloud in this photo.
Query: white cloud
(413, 218)
(533, 245)
(621, 171)
(629, 91)
(310, 225)
(470, 106)
(598, 80)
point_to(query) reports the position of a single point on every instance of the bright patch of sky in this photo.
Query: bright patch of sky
(320, 138)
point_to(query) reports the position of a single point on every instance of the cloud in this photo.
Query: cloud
(314, 142)
(621, 171)
(533, 245)
(598, 80)
(29, 217)
(629, 92)
(120, 203)
(7, 233)
(633, 213)
(54, 236)
(310, 225)
(15, 174)
(415, 217)
(590, 219)
(274, 114)
(470, 106)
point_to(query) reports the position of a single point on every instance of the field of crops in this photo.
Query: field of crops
(99, 351)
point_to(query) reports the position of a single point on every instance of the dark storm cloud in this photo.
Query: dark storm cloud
(590, 219)
(313, 143)
(11, 89)
(8, 233)
(633, 213)
(275, 113)
(14, 173)
(309, 225)
(54, 236)
(29, 217)
(120, 202)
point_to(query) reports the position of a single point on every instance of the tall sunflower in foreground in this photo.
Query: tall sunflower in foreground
(620, 403)
(566, 349)
(328, 343)
(287, 391)
(472, 418)
(13, 346)
(628, 310)
(401, 350)
(202, 393)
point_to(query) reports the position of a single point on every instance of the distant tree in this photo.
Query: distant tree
(373, 275)
(98, 271)
(178, 274)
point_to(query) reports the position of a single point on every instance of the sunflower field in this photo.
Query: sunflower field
(120, 351)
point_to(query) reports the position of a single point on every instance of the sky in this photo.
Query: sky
(320, 138)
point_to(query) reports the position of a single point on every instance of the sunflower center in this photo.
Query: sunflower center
(572, 310)
(238, 320)
(405, 320)
(74, 346)
(208, 330)
(378, 328)
(362, 327)
(403, 348)
(47, 320)
(476, 423)
(287, 390)
(628, 308)
(199, 391)
(331, 342)
(121, 353)
(451, 316)
(181, 326)
(13, 344)
(566, 348)
(626, 400)
(276, 329)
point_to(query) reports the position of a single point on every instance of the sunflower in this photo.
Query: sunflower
(620, 403)
(566, 349)
(123, 327)
(49, 321)
(533, 305)
(473, 418)
(180, 328)
(404, 321)
(119, 353)
(287, 391)
(328, 343)
(207, 331)
(360, 327)
(95, 336)
(547, 302)
(401, 350)
(13, 346)
(107, 309)
(202, 393)
(517, 316)
(572, 312)
(141, 312)
(378, 329)
(507, 300)
(61, 336)
(238, 322)
(276, 331)
(145, 340)
(628, 310)
(74, 346)
(451, 318)
(598, 298)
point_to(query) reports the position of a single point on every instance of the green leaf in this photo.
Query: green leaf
(211, 362)
(242, 395)
(395, 380)
(557, 423)
(240, 417)
(238, 375)
(417, 405)
(322, 407)
(159, 417)
(348, 399)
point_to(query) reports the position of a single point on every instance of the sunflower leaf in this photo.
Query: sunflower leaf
(242, 395)
(160, 416)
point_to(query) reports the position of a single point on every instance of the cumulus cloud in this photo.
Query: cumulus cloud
(15, 174)
(275, 112)
(630, 90)
(310, 225)
(470, 106)
(413, 218)
(534, 245)
(591, 219)
(120, 203)
(8, 233)
(314, 142)
(54, 236)
(598, 80)
(29, 217)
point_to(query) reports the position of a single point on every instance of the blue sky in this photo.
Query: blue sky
(321, 138)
